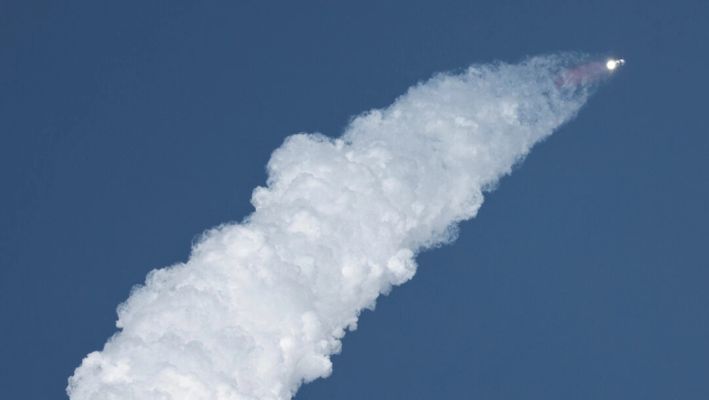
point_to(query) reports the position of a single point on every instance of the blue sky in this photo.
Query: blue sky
(127, 129)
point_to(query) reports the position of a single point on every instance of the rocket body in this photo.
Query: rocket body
(588, 73)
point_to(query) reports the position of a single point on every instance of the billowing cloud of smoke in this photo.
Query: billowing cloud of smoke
(260, 306)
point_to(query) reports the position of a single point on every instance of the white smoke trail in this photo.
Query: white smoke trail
(260, 306)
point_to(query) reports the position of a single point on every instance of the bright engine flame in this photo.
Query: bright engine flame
(612, 64)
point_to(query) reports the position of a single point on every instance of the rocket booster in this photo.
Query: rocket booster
(588, 73)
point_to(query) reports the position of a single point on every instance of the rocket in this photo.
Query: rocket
(588, 73)
(614, 63)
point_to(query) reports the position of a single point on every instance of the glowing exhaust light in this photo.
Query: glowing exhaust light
(613, 64)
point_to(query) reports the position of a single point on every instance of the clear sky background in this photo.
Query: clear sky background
(127, 128)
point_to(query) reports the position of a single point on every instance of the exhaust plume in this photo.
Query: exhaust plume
(261, 305)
